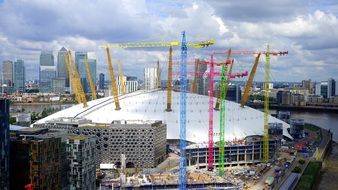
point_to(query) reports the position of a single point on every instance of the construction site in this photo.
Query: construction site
(175, 138)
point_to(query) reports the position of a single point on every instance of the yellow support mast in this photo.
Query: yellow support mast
(158, 74)
(200, 44)
(78, 81)
(266, 107)
(170, 80)
(72, 79)
(249, 83)
(90, 79)
(113, 81)
(194, 83)
(122, 87)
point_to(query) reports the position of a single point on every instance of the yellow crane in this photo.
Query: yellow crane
(72, 78)
(145, 45)
(90, 79)
(170, 80)
(77, 81)
(194, 83)
(249, 83)
(122, 87)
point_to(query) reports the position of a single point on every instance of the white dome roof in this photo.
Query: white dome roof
(151, 105)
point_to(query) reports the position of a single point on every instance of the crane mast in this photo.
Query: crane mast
(121, 81)
(78, 81)
(183, 119)
(170, 79)
(72, 79)
(90, 79)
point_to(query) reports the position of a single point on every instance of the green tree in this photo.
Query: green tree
(12, 120)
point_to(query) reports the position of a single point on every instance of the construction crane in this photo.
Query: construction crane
(90, 79)
(200, 44)
(183, 85)
(223, 91)
(266, 106)
(121, 80)
(229, 76)
(183, 117)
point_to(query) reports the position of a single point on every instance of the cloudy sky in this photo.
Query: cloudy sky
(308, 29)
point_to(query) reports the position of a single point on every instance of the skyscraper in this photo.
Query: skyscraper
(83, 73)
(4, 144)
(331, 87)
(80, 56)
(47, 71)
(131, 84)
(200, 82)
(19, 75)
(7, 72)
(101, 81)
(324, 89)
(61, 66)
(150, 78)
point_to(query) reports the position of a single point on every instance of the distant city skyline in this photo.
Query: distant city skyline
(306, 28)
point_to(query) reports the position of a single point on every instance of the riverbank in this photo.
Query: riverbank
(329, 172)
(40, 103)
(296, 108)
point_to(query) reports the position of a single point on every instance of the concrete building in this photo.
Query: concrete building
(143, 142)
(331, 88)
(82, 157)
(61, 67)
(247, 152)
(298, 99)
(322, 89)
(38, 158)
(46, 72)
(234, 93)
(297, 128)
(19, 75)
(307, 84)
(58, 85)
(7, 72)
(150, 78)
(131, 84)
(284, 97)
(4, 144)
(313, 99)
(101, 81)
